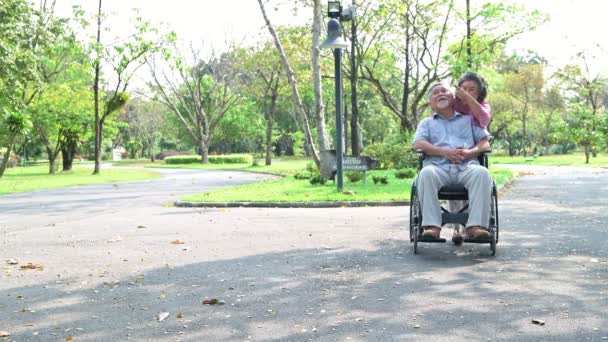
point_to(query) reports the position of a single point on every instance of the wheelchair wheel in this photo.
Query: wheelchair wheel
(494, 212)
(414, 211)
(415, 217)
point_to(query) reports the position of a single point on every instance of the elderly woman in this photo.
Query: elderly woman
(470, 100)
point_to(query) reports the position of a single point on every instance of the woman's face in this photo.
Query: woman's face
(471, 88)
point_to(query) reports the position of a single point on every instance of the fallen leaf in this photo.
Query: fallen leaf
(117, 238)
(180, 315)
(4, 333)
(31, 266)
(141, 227)
(12, 261)
(177, 242)
(538, 321)
(162, 316)
(69, 338)
(213, 301)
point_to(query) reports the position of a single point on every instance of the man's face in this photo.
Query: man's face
(441, 97)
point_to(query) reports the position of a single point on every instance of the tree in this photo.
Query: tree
(418, 42)
(123, 59)
(60, 119)
(577, 129)
(14, 124)
(366, 30)
(199, 94)
(297, 101)
(525, 87)
(488, 28)
(144, 120)
(585, 88)
(262, 81)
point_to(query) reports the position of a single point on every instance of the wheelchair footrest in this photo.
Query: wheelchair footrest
(488, 240)
(431, 240)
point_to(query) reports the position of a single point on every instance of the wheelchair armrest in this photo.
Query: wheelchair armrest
(421, 156)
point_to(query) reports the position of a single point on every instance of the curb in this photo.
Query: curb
(343, 204)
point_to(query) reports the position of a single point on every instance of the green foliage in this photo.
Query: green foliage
(302, 175)
(311, 167)
(380, 179)
(405, 173)
(240, 130)
(354, 176)
(223, 159)
(392, 155)
(117, 102)
(317, 179)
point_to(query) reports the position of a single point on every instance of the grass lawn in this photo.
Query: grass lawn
(23, 179)
(289, 189)
(575, 159)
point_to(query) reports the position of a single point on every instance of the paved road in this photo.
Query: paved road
(345, 274)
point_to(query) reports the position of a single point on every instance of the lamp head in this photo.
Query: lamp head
(334, 36)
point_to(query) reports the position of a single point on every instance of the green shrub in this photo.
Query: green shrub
(392, 155)
(380, 179)
(231, 159)
(311, 167)
(302, 175)
(224, 159)
(354, 176)
(405, 173)
(316, 178)
(191, 159)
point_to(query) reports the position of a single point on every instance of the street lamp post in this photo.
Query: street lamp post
(337, 43)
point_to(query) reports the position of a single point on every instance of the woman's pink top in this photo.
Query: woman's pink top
(484, 115)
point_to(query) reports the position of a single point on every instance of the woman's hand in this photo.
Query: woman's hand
(464, 96)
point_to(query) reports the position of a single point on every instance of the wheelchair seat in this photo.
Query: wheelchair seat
(453, 192)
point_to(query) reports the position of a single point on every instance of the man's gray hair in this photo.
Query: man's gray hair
(436, 84)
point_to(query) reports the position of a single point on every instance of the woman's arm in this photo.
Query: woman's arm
(480, 111)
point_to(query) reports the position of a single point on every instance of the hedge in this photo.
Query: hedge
(224, 159)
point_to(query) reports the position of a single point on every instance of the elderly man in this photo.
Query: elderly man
(452, 143)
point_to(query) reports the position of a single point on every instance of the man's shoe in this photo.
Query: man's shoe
(431, 233)
(477, 233)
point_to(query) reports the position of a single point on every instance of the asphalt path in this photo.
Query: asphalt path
(114, 257)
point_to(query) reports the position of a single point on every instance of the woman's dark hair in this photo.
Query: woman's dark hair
(481, 83)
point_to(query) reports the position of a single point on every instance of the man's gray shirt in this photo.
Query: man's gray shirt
(458, 132)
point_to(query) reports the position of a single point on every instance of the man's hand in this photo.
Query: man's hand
(454, 155)
(458, 155)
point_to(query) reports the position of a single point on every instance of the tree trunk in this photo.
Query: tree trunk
(151, 151)
(297, 101)
(52, 156)
(203, 150)
(322, 138)
(469, 35)
(7, 155)
(586, 154)
(345, 130)
(269, 124)
(67, 153)
(98, 123)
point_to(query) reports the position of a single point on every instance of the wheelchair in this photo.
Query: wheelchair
(452, 192)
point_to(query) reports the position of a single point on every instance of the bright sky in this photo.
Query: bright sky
(574, 25)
